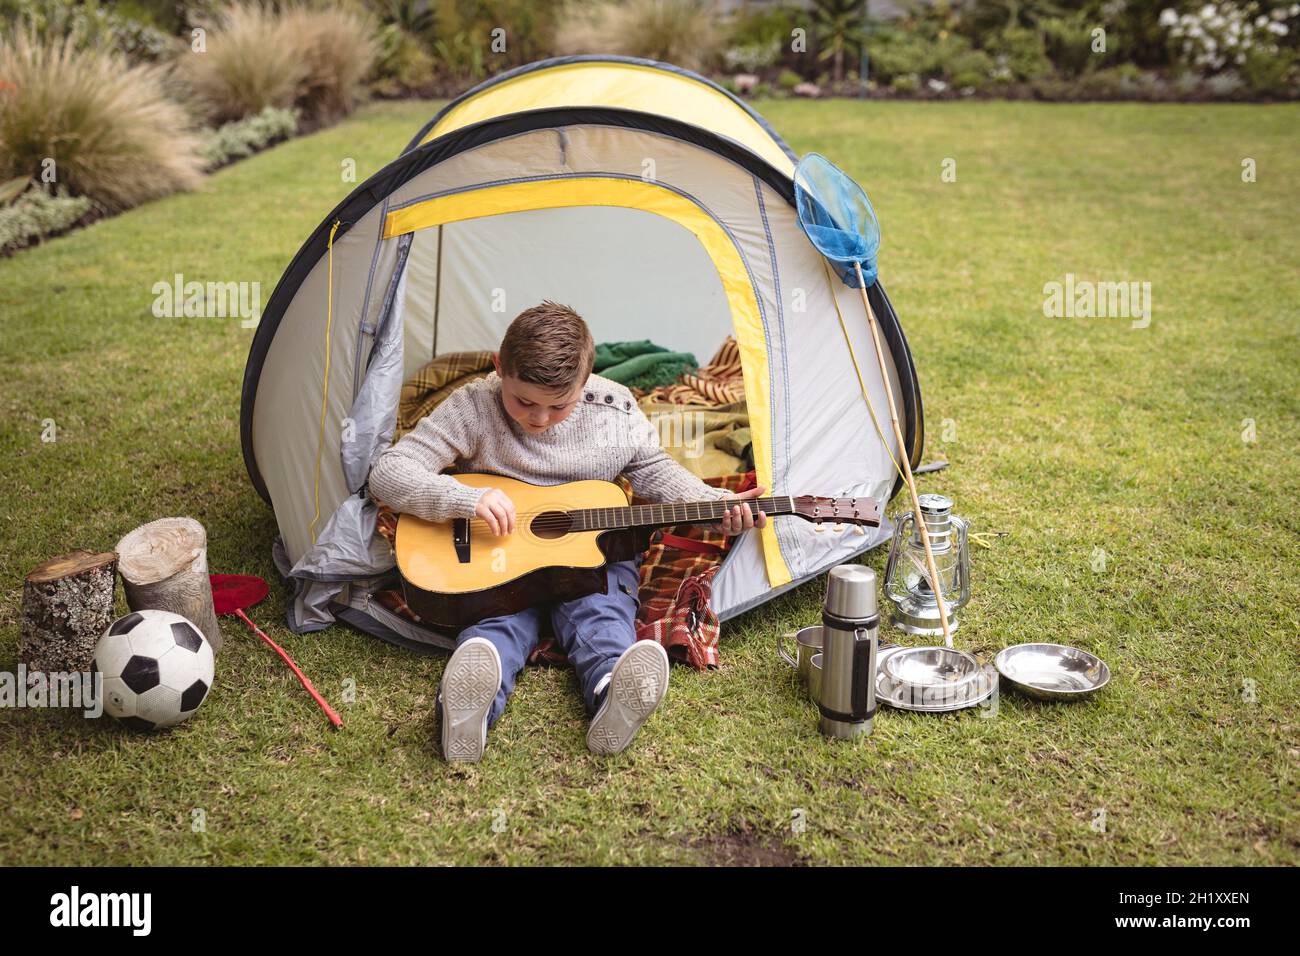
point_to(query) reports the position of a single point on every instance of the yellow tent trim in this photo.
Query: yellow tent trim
(630, 86)
(659, 200)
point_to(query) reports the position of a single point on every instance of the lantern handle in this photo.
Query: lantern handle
(963, 559)
(895, 550)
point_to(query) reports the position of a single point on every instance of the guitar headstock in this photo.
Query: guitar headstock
(838, 510)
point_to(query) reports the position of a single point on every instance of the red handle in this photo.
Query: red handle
(335, 719)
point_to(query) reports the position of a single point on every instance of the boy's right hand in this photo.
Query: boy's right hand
(496, 508)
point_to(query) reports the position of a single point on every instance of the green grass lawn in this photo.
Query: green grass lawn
(1074, 436)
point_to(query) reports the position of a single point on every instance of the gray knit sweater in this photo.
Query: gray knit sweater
(605, 436)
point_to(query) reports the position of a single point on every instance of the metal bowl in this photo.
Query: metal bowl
(896, 696)
(1052, 671)
(931, 675)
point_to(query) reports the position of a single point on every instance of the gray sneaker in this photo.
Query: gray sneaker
(469, 685)
(636, 686)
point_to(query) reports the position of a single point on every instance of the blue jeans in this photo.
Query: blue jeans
(593, 631)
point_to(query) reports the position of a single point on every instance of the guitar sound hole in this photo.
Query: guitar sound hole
(550, 524)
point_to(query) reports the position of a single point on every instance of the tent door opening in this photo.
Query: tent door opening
(630, 274)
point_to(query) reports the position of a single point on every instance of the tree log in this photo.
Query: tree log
(67, 607)
(164, 566)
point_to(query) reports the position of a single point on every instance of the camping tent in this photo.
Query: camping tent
(650, 199)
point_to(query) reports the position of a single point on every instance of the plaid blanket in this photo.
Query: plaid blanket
(424, 390)
(677, 583)
(674, 588)
(718, 383)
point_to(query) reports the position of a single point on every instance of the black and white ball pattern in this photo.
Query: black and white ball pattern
(157, 668)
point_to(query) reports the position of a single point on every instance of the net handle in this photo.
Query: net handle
(905, 459)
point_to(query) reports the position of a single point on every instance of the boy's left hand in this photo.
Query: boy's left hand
(741, 517)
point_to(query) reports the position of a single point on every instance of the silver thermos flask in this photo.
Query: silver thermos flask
(850, 628)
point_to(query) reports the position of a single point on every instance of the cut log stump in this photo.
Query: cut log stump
(67, 607)
(164, 566)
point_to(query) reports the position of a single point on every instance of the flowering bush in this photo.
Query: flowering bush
(748, 57)
(1223, 35)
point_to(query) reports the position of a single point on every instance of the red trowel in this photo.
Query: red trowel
(231, 593)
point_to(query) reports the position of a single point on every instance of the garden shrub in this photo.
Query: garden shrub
(682, 32)
(973, 68)
(338, 49)
(402, 63)
(1021, 54)
(37, 214)
(1226, 84)
(1220, 36)
(258, 55)
(1068, 43)
(90, 23)
(1269, 74)
(899, 53)
(105, 127)
(766, 25)
(759, 38)
(905, 83)
(1116, 83)
(949, 58)
(751, 57)
(248, 63)
(533, 26)
(247, 136)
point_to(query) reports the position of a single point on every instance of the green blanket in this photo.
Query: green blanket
(642, 364)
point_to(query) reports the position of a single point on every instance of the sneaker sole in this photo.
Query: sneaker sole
(469, 685)
(636, 688)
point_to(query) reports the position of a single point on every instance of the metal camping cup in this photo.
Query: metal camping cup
(850, 639)
(807, 642)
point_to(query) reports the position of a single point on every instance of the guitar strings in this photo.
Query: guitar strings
(524, 514)
(561, 520)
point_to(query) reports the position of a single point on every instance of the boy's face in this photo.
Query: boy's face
(534, 408)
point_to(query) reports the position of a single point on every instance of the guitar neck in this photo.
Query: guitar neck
(671, 513)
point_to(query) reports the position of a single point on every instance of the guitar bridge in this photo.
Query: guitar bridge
(460, 538)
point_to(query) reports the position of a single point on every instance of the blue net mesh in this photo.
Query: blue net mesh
(837, 217)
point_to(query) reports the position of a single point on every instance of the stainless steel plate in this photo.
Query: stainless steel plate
(1052, 671)
(934, 700)
(932, 675)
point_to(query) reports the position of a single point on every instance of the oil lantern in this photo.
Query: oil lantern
(907, 583)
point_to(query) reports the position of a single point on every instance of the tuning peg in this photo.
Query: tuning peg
(858, 529)
(819, 527)
(839, 527)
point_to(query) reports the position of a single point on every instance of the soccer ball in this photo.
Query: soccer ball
(157, 669)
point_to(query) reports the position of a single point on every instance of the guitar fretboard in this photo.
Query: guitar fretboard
(670, 513)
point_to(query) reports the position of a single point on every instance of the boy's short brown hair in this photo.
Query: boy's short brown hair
(548, 346)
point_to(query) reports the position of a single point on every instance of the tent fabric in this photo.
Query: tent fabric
(438, 251)
(616, 82)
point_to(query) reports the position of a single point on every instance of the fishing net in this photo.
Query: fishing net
(837, 217)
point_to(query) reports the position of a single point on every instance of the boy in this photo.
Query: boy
(543, 417)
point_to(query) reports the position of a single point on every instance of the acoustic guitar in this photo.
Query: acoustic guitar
(456, 573)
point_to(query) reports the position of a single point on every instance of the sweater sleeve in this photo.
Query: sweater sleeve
(657, 476)
(407, 476)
